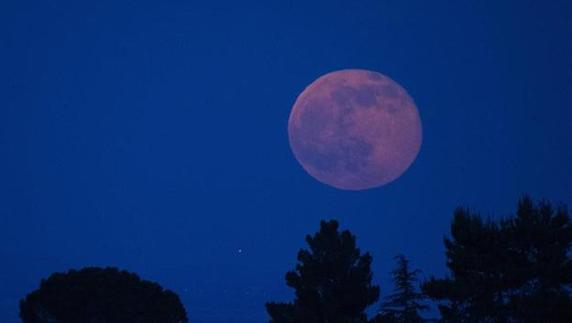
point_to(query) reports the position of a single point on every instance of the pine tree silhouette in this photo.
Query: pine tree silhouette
(514, 270)
(100, 295)
(405, 303)
(332, 281)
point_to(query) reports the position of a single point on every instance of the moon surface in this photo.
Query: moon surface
(355, 129)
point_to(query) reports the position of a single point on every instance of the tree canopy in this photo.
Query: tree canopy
(405, 303)
(101, 295)
(332, 281)
(513, 270)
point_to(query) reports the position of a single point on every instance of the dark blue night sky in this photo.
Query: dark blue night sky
(152, 136)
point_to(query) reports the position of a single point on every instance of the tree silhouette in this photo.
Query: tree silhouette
(514, 270)
(405, 303)
(101, 295)
(332, 281)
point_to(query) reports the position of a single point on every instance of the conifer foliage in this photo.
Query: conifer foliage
(405, 303)
(100, 295)
(332, 281)
(512, 270)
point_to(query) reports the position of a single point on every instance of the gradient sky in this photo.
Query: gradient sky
(151, 135)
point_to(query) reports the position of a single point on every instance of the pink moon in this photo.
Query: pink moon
(355, 129)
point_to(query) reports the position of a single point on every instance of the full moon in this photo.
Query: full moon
(355, 129)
